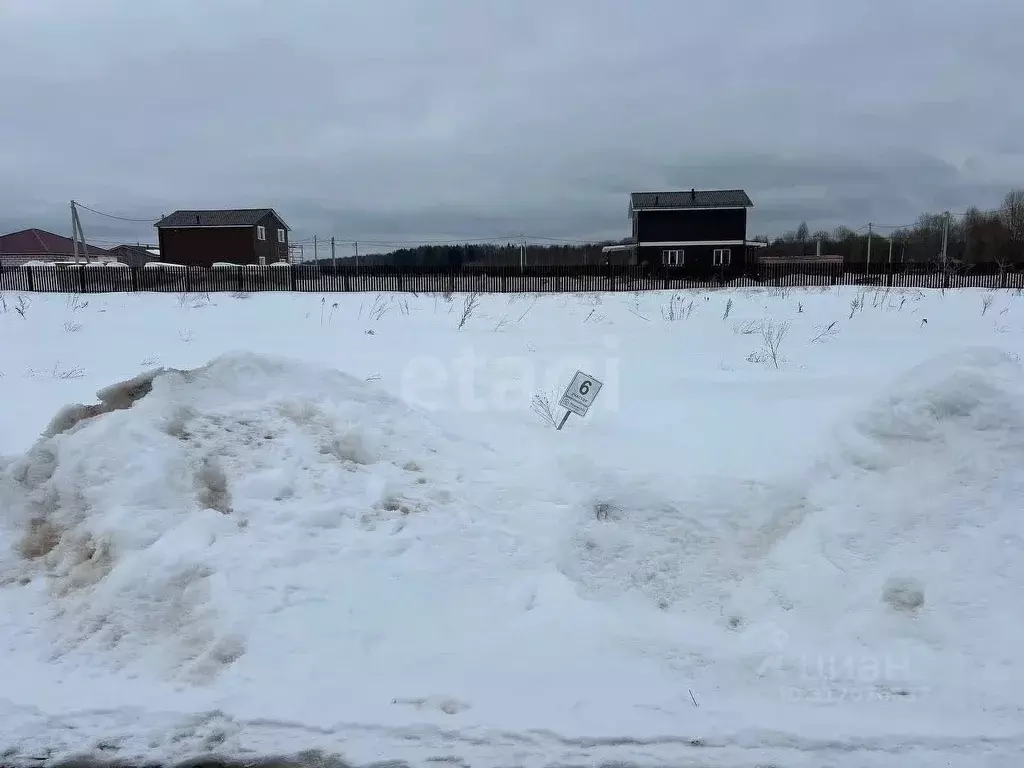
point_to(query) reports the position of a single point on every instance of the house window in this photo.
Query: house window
(722, 257)
(261, 233)
(280, 235)
(673, 258)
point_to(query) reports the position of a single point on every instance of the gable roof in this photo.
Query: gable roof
(39, 242)
(230, 217)
(136, 248)
(694, 198)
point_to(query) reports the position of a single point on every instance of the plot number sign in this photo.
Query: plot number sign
(579, 395)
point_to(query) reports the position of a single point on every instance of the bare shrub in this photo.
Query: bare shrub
(22, 306)
(746, 328)
(634, 307)
(527, 310)
(829, 331)
(772, 335)
(67, 372)
(76, 303)
(72, 327)
(677, 308)
(543, 405)
(3, 304)
(728, 309)
(193, 300)
(469, 305)
(986, 303)
(378, 309)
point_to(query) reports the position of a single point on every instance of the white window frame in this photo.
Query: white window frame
(721, 257)
(261, 232)
(673, 257)
(280, 235)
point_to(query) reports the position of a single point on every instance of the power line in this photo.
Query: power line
(112, 216)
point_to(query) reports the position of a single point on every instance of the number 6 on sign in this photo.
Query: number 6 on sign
(579, 395)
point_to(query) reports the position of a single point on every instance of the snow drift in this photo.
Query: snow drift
(326, 559)
(912, 548)
(134, 511)
(903, 545)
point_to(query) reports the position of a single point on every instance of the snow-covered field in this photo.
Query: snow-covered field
(337, 526)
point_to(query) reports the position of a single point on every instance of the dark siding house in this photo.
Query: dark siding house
(135, 255)
(238, 236)
(703, 229)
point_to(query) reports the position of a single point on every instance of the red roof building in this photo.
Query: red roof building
(40, 245)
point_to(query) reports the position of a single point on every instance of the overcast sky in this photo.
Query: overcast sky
(398, 120)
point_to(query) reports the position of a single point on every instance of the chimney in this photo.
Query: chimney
(693, 193)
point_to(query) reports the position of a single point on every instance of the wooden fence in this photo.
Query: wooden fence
(95, 278)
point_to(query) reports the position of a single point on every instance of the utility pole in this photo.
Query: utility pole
(357, 254)
(890, 249)
(334, 261)
(522, 252)
(315, 252)
(77, 233)
(74, 230)
(945, 247)
(867, 266)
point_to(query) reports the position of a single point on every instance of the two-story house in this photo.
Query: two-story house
(235, 236)
(701, 228)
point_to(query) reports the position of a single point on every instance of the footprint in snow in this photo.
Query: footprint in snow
(444, 704)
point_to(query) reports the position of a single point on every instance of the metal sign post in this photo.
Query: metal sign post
(579, 396)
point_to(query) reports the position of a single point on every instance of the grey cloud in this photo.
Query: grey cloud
(401, 120)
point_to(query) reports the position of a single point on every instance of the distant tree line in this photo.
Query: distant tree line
(456, 255)
(973, 238)
(976, 237)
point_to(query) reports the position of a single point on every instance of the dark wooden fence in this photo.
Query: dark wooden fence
(508, 279)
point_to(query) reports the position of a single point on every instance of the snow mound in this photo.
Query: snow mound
(914, 506)
(915, 539)
(131, 513)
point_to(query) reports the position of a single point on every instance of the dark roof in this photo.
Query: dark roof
(39, 242)
(237, 217)
(695, 198)
(134, 248)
